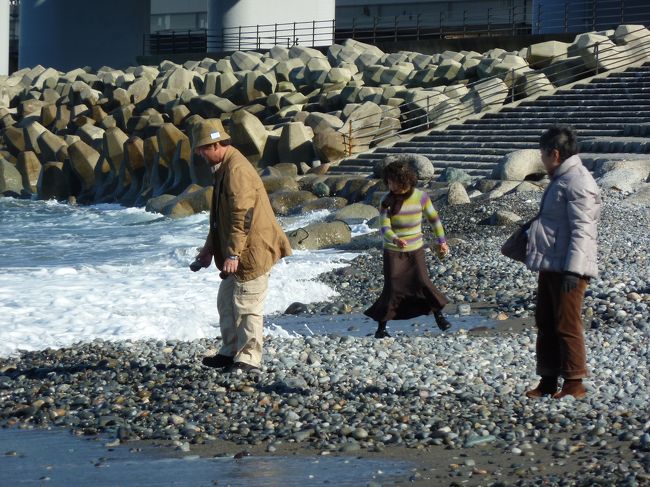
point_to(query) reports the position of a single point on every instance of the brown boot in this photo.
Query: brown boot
(547, 387)
(571, 387)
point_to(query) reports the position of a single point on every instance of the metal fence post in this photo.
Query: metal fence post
(566, 17)
(622, 11)
(417, 20)
(354, 26)
(428, 108)
(239, 41)
(374, 29)
(489, 10)
(275, 34)
(464, 22)
(257, 36)
(313, 33)
(395, 30)
(440, 21)
(593, 15)
(333, 30)
(597, 54)
(512, 14)
(512, 98)
(350, 139)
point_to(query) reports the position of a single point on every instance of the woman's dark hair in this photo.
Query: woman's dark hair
(561, 138)
(403, 174)
(400, 172)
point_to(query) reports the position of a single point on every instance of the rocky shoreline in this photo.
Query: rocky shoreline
(456, 391)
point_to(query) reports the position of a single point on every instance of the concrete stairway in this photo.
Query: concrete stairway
(599, 110)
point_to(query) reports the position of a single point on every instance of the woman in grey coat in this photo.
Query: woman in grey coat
(562, 247)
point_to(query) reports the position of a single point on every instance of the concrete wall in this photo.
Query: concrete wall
(231, 14)
(67, 34)
(4, 37)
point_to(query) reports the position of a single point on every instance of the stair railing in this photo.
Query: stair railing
(358, 137)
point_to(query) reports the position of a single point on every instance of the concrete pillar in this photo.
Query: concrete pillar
(264, 24)
(4, 37)
(67, 34)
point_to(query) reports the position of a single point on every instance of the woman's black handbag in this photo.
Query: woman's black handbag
(515, 246)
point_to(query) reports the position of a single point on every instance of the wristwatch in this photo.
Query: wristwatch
(233, 257)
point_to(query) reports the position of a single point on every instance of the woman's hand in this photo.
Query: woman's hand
(400, 242)
(442, 250)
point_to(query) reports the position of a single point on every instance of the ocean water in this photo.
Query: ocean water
(76, 273)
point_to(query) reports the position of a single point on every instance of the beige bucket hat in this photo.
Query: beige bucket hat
(208, 132)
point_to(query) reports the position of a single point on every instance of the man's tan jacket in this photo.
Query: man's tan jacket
(242, 222)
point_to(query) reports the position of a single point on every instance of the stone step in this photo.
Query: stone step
(575, 120)
(560, 109)
(551, 102)
(424, 151)
(514, 133)
(568, 115)
(607, 89)
(595, 96)
(542, 124)
(364, 170)
(486, 149)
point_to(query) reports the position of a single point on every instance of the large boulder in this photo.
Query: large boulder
(625, 179)
(363, 123)
(277, 183)
(83, 159)
(598, 51)
(356, 213)
(520, 165)
(330, 145)
(457, 194)
(487, 94)
(53, 183)
(532, 83)
(29, 168)
(295, 143)
(320, 236)
(210, 106)
(544, 53)
(195, 199)
(287, 202)
(11, 181)
(248, 135)
(420, 164)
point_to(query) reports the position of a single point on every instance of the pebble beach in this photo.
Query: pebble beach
(458, 394)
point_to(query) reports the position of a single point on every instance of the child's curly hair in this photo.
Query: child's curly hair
(401, 173)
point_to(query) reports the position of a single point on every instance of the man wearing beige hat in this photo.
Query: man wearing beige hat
(245, 241)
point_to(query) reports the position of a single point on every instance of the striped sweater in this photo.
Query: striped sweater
(407, 224)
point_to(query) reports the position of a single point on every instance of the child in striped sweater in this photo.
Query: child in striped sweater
(408, 292)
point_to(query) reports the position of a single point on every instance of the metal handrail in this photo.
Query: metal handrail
(491, 22)
(565, 67)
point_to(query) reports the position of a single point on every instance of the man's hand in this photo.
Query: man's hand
(230, 265)
(400, 242)
(569, 282)
(204, 257)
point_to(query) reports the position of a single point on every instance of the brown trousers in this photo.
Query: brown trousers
(560, 332)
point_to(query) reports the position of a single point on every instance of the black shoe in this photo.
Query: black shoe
(382, 334)
(245, 368)
(218, 361)
(442, 322)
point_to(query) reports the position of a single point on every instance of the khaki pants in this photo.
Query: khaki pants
(241, 305)
(560, 332)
